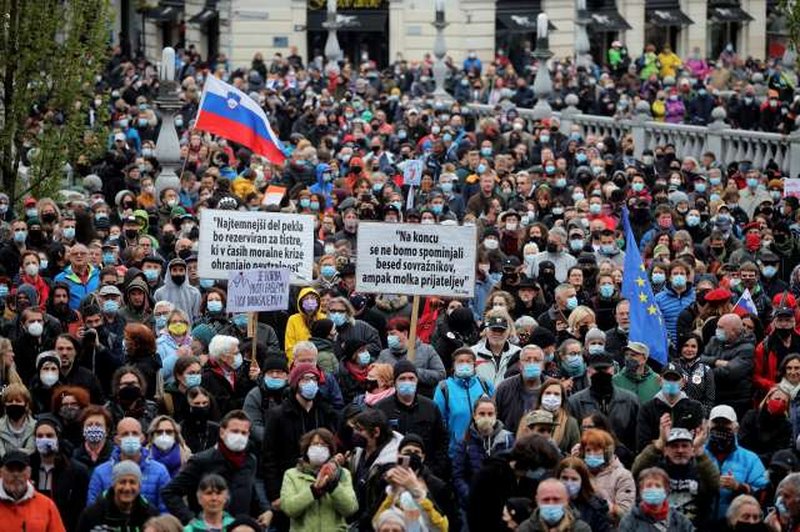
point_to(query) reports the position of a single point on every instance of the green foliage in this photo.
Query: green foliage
(50, 53)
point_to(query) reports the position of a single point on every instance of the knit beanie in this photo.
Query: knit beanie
(595, 334)
(404, 366)
(125, 468)
(275, 362)
(302, 369)
(47, 356)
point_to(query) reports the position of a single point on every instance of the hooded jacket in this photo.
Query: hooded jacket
(78, 289)
(142, 315)
(297, 329)
(33, 512)
(185, 296)
(472, 450)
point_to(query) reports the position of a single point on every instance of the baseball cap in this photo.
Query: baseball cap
(119, 136)
(496, 322)
(678, 434)
(601, 360)
(723, 412)
(783, 312)
(671, 369)
(110, 290)
(538, 417)
(639, 348)
(16, 457)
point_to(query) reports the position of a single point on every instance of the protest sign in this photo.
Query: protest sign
(414, 259)
(791, 187)
(258, 290)
(412, 172)
(238, 240)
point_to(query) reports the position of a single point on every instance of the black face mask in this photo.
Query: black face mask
(200, 413)
(129, 394)
(48, 217)
(130, 234)
(552, 248)
(178, 279)
(15, 412)
(601, 383)
(371, 385)
(721, 441)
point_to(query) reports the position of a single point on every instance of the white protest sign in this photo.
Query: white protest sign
(791, 187)
(412, 173)
(241, 241)
(258, 290)
(414, 259)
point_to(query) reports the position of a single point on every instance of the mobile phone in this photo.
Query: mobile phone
(404, 461)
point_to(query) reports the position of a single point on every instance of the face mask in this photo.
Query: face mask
(31, 269)
(551, 402)
(721, 440)
(679, 281)
(573, 487)
(593, 461)
(237, 361)
(557, 211)
(69, 233)
(214, 306)
(164, 442)
(318, 454)
(464, 370)
(606, 291)
(692, 220)
(574, 365)
(576, 244)
(447, 187)
(544, 138)
(406, 388)
(577, 196)
(769, 271)
(108, 258)
(752, 182)
(177, 329)
(178, 279)
(46, 446)
(235, 442)
(110, 306)
(393, 341)
(486, 152)
(552, 247)
(572, 303)
(485, 424)
(48, 378)
(309, 304)
(437, 208)
(36, 329)
(94, 434)
(481, 168)
(596, 349)
(151, 275)
(595, 208)
(206, 283)
(364, 358)
(551, 513)
(654, 496)
(659, 278)
(20, 236)
(308, 389)
(532, 370)
(671, 388)
(161, 322)
(130, 444)
(491, 244)
(338, 318)
(721, 335)
(193, 379)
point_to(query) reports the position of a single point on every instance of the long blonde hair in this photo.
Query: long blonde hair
(8, 375)
(185, 451)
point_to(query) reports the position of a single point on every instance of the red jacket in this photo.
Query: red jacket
(766, 368)
(34, 512)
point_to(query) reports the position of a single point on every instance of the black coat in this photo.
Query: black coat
(765, 434)
(243, 498)
(82, 456)
(424, 419)
(686, 414)
(80, 376)
(104, 513)
(227, 397)
(284, 427)
(358, 331)
(70, 484)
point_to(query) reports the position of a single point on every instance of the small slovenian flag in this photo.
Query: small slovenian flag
(745, 305)
(228, 112)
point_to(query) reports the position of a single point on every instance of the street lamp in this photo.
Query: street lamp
(168, 148)
(333, 52)
(542, 85)
(439, 51)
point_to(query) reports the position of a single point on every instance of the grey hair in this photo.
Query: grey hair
(792, 480)
(303, 346)
(531, 347)
(736, 505)
(560, 233)
(220, 345)
(163, 303)
(525, 321)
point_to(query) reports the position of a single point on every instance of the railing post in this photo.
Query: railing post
(568, 114)
(714, 136)
(638, 128)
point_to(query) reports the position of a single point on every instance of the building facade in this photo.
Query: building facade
(384, 30)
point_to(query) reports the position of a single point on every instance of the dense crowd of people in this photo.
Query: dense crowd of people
(132, 400)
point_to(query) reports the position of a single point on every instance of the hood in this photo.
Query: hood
(319, 170)
(388, 453)
(304, 292)
(29, 291)
(137, 282)
(144, 218)
(29, 493)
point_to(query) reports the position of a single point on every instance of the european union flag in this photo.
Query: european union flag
(647, 325)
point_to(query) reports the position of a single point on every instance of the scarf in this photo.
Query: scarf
(371, 398)
(237, 459)
(657, 513)
(358, 372)
(171, 459)
(789, 388)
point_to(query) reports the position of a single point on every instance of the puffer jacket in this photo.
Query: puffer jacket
(472, 450)
(733, 382)
(616, 485)
(326, 513)
(430, 369)
(154, 478)
(455, 398)
(671, 305)
(296, 328)
(77, 288)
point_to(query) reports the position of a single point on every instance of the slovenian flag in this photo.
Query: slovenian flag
(228, 112)
(745, 305)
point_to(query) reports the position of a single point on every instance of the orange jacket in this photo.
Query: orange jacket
(33, 513)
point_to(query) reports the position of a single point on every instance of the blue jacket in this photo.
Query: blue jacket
(482, 289)
(650, 234)
(457, 408)
(322, 187)
(471, 451)
(77, 289)
(154, 477)
(746, 467)
(671, 305)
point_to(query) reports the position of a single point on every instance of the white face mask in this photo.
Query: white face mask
(318, 454)
(235, 442)
(31, 269)
(36, 329)
(164, 442)
(491, 244)
(48, 378)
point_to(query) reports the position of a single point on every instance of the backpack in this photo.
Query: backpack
(446, 392)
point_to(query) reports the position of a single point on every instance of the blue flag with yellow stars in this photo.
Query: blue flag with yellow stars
(647, 325)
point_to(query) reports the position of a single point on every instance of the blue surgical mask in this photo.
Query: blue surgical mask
(406, 388)
(240, 320)
(274, 383)
(572, 303)
(308, 389)
(654, 496)
(593, 461)
(692, 220)
(206, 283)
(769, 271)
(637, 187)
(69, 233)
(576, 244)
(659, 277)
(108, 258)
(214, 305)
(364, 358)
(43, 263)
(752, 182)
(700, 187)
(481, 168)
(393, 341)
(314, 205)
(596, 349)
(606, 290)
(551, 513)
(338, 318)
(447, 187)
(580, 157)
(671, 388)
(110, 306)
(464, 370)
(130, 445)
(193, 379)
(20, 236)
(531, 370)
(486, 152)
(574, 365)
(721, 335)
(237, 361)
(679, 281)
(437, 208)
(161, 322)
(595, 208)
(151, 275)
(328, 271)
(3, 290)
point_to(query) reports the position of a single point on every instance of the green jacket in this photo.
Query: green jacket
(198, 525)
(326, 514)
(645, 387)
